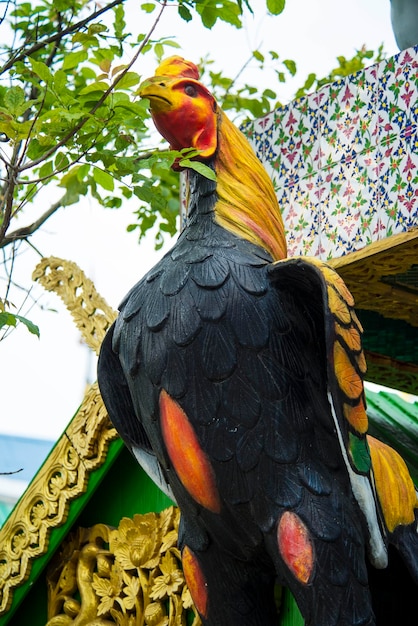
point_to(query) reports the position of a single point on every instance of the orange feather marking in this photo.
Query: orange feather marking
(351, 337)
(295, 545)
(395, 489)
(338, 306)
(361, 362)
(334, 279)
(348, 379)
(195, 580)
(356, 416)
(356, 320)
(188, 459)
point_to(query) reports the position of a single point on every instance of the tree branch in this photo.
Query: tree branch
(6, 206)
(66, 31)
(26, 231)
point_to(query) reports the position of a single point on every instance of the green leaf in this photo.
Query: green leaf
(224, 10)
(87, 41)
(209, 16)
(95, 29)
(119, 23)
(148, 7)
(257, 55)
(60, 81)
(10, 319)
(35, 149)
(73, 59)
(73, 185)
(199, 167)
(130, 79)
(13, 99)
(46, 170)
(41, 70)
(159, 51)
(6, 128)
(290, 65)
(184, 13)
(144, 192)
(173, 44)
(61, 161)
(104, 179)
(7, 319)
(16, 130)
(310, 81)
(268, 93)
(275, 6)
(98, 86)
(32, 328)
(82, 171)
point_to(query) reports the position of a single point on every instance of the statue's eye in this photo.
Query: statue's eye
(190, 90)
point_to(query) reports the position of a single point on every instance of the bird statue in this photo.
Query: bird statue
(235, 377)
(404, 19)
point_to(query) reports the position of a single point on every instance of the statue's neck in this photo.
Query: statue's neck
(242, 200)
(246, 201)
(201, 195)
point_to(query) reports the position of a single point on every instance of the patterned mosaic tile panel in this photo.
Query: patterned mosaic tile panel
(344, 160)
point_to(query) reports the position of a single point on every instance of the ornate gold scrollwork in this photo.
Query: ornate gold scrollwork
(364, 273)
(91, 313)
(81, 449)
(130, 576)
(45, 504)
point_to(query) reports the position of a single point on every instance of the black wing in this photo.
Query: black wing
(118, 401)
(318, 286)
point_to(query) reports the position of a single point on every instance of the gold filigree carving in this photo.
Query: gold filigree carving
(81, 449)
(130, 576)
(363, 271)
(63, 477)
(91, 313)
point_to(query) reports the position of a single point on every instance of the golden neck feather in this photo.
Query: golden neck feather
(246, 204)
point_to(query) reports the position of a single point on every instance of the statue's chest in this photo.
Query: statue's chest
(199, 318)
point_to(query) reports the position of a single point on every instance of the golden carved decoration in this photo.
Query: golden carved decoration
(91, 313)
(130, 576)
(81, 449)
(61, 479)
(364, 270)
(368, 273)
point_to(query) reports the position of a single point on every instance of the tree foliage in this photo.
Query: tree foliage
(71, 120)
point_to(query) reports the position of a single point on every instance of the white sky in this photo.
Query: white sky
(42, 381)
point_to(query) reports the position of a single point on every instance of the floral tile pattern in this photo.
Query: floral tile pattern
(344, 160)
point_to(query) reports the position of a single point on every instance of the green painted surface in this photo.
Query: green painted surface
(290, 614)
(394, 421)
(127, 490)
(394, 338)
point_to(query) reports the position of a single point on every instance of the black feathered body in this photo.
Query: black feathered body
(245, 360)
